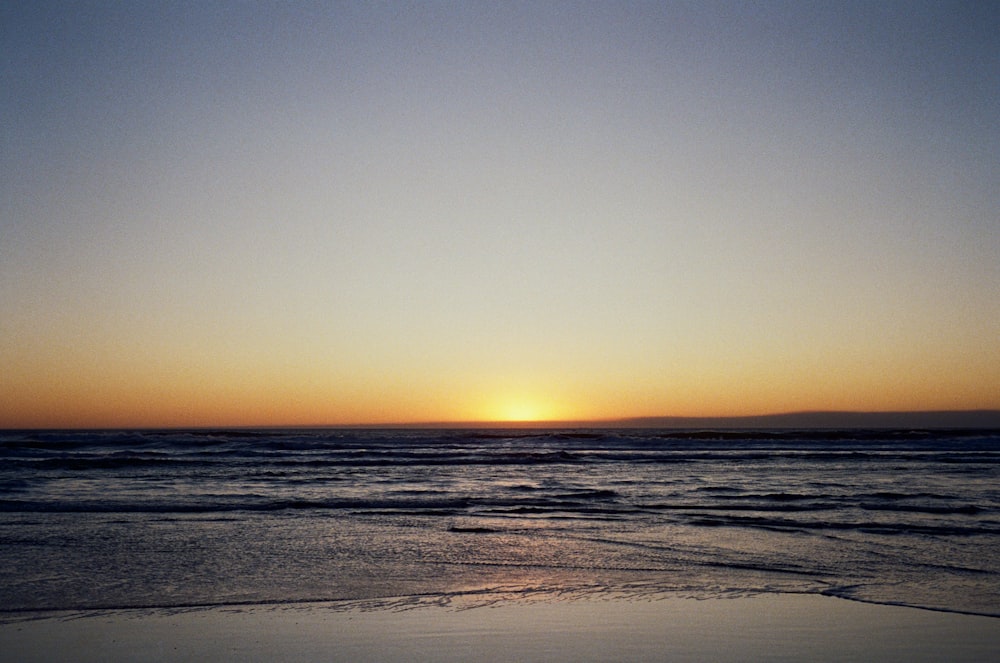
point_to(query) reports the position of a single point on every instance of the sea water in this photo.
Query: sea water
(162, 519)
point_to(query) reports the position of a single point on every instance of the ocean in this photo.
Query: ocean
(106, 520)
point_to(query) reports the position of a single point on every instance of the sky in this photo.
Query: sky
(257, 213)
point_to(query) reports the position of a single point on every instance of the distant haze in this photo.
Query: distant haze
(973, 419)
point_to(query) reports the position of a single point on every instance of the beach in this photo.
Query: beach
(773, 627)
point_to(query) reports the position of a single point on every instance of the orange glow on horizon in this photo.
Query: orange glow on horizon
(73, 389)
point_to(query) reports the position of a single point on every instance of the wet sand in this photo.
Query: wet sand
(768, 628)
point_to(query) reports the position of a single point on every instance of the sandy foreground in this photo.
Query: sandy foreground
(768, 627)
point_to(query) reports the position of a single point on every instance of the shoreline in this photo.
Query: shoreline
(773, 627)
(468, 600)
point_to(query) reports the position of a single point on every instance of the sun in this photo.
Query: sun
(521, 403)
(521, 411)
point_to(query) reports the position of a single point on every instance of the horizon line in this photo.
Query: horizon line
(806, 419)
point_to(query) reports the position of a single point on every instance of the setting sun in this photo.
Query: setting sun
(521, 408)
(521, 411)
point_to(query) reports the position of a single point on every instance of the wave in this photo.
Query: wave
(320, 439)
(986, 528)
(967, 462)
(453, 505)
